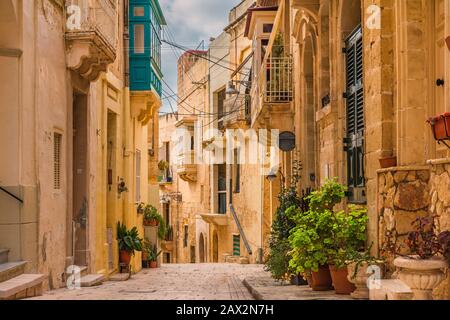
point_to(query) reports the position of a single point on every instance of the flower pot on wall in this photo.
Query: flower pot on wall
(340, 282)
(321, 280)
(151, 223)
(153, 264)
(421, 275)
(388, 162)
(440, 126)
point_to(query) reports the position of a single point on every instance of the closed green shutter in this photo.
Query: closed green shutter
(355, 116)
(236, 245)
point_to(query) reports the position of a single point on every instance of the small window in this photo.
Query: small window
(57, 140)
(186, 236)
(138, 176)
(267, 28)
(139, 12)
(139, 40)
(236, 245)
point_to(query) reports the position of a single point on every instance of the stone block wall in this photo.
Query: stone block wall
(406, 193)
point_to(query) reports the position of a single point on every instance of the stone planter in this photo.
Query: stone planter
(422, 276)
(360, 279)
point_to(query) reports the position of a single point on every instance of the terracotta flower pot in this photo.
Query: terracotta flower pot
(388, 162)
(321, 280)
(359, 276)
(440, 126)
(125, 256)
(153, 264)
(422, 276)
(151, 223)
(340, 282)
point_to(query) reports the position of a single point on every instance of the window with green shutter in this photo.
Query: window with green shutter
(236, 245)
(354, 142)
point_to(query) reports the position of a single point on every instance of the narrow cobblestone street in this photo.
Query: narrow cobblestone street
(170, 282)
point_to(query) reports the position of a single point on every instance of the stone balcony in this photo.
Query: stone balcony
(216, 219)
(91, 36)
(187, 167)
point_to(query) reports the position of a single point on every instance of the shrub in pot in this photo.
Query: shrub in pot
(154, 219)
(277, 260)
(313, 238)
(423, 269)
(153, 255)
(128, 241)
(349, 232)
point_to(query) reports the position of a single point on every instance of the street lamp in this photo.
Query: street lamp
(231, 90)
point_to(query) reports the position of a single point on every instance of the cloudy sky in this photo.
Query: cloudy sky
(189, 22)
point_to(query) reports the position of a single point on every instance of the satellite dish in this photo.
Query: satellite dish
(286, 141)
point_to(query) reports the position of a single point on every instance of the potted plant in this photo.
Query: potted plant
(349, 232)
(388, 162)
(153, 255)
(313, 239)
(277, 260)
(128, 241)
(440, 126)
(151, 216)
(422, 270)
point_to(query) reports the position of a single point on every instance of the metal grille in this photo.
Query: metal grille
(57, 140)
(278, 80)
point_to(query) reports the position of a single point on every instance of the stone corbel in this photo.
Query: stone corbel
(143, 105)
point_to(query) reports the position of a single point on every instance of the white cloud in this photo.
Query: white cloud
(190, 22)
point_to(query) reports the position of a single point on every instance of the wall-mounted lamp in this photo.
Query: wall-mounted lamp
(231, 89)
(273, 175)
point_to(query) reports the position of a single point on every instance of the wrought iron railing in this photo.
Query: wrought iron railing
(273, 84)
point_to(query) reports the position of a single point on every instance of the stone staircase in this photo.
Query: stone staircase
(14, 282)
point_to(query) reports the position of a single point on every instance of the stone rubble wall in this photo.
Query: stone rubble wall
(406, 193)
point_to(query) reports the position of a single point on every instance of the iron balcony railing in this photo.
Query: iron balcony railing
(99, 16)
(273, 84)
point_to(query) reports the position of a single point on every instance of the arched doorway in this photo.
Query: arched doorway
(215, 247)
(201, 248)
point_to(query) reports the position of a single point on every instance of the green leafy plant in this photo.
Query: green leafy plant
(277, 260)
(324, 236)
(163, 165)
(151, 213)
(153, 253)
(128, 240)
(362, 257)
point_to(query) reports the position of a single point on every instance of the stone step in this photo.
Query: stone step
(92, 280)
(10, 270)
(23, 286)
(119, 277)
(391, 289)
(4, 255)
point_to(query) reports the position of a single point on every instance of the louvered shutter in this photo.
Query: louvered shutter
(355, 116)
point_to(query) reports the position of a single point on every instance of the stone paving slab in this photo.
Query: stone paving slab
(170, 282)
(263, 287)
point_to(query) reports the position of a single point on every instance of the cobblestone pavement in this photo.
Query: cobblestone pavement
(171, 282)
